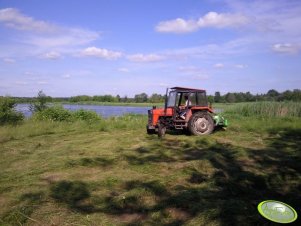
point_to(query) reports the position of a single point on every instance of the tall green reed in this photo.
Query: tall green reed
(266, 109)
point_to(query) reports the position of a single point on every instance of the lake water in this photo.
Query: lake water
(104, 111)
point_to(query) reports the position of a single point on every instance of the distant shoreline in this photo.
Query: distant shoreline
(129, 104)
(114, 104)
(104, 103)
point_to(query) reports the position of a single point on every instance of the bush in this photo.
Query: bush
(84, 115)
(8, 115)
(56, 113)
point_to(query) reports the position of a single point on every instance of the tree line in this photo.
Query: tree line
(138, 98)
(230, 97)
(271, 95)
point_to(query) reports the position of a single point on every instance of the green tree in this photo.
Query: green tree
(230, 98)
(156, 98)
(8, 114)
(141, 98)
(217, 97)
(124, 99)
(118, 98)
(210, 99)
(249, 97)
(239, 97)
(41, 102)
(272, 94)
(296, 95)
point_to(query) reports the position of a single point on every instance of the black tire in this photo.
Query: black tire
(201, 123)
(161, 130)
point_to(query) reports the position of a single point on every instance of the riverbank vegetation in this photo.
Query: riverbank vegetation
(266, 109)
(110, 172)
(8, 115)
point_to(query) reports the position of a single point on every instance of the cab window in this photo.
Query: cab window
(171, 99)
(192, 99)
(201, 99)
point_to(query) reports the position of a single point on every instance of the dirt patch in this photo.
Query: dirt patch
(178, 214)
(131, 217)
(247, 162)
(52, 178)
(167, 168)
(3, 203)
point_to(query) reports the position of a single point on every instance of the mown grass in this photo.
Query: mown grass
(113, 173)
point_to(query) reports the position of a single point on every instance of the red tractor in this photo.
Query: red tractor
(185, 109)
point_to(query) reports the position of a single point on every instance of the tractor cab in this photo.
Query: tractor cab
(182, 100)
(185, 109)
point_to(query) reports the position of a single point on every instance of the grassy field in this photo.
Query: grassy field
(113, 173)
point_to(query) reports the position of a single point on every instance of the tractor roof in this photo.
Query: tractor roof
(183, 89)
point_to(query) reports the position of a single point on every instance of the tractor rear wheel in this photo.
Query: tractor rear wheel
(201, 123)
(161, 130)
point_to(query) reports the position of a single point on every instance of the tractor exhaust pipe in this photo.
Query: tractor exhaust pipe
(165, 105)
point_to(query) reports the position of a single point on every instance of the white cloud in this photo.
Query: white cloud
(178, 25)
(42, 82)
(193, 72)
(101, 53)
(211, 19)
(9, 60)
(266, 24)
(272, 22)
(145, 58)
(219, 65)
(29, 73)
(190, 70)
(241, 66)
(52, 55)
(164, 85)
(287, 48)
(21, 83)
(123, 69)
(200, 77)
(222, 20)
(66, 76)
(66, 37)
(43, 35)
(13, 18)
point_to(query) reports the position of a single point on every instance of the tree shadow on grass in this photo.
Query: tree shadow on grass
(281, 164)
(73, 193)
(233, 191)
(227, 196)
(91, 162)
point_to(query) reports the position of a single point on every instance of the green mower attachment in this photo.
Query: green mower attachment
(220, 121)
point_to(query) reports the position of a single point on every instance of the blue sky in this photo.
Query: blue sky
(68, 48)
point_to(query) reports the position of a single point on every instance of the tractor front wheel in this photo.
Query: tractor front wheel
(201, 123)
(150, 131)
(161, 130)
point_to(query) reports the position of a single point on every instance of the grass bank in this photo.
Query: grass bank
(112, 173)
